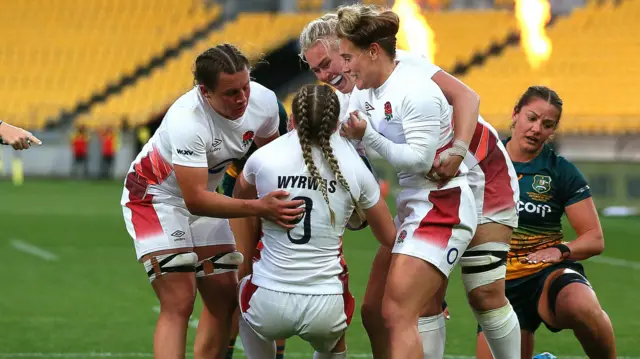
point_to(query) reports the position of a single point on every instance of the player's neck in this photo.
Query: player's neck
(386, 69)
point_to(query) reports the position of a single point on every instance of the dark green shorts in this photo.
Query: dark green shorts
(524, 294)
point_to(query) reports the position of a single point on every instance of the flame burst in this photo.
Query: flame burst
(415, 34)
(532, 16)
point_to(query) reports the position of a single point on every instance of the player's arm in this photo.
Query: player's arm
(465, 102)
(584, 220)
(381, 223)
(190, 166)
(375, 208)
(421, 127)
(581, 213)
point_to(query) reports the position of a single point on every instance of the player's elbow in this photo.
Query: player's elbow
(194, 205)
(598, 242)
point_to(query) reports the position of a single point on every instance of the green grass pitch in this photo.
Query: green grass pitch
(86, 296)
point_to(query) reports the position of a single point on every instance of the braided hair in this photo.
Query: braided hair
(316, 109)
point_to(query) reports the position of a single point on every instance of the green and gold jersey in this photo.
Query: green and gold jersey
(548, 184)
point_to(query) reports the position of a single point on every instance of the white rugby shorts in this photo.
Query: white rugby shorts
(436, 225)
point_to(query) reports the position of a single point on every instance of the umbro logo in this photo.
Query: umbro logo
(177, 234)
(215, 146)
(368, 107)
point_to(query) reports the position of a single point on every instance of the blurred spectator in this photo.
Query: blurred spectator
(79, 147)
(109, 143)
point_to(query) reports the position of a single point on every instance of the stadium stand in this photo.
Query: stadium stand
(461, 34)
(56, 53)
(593, 66)
(253, 33)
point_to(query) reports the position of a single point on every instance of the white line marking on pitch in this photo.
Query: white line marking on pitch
(150, 355)
(615, 262)
(193, 323)
(33, 250)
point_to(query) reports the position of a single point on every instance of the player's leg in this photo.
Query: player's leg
(432, 327)
(176, 292)
(371, 310)
(483, 265)
(258, 312)
(568, 302)
(280, 347)
(436, 227)
(483, 272)
(527, 339)
(217, 282)
(324, 324)
(207, 332)
(164, 246)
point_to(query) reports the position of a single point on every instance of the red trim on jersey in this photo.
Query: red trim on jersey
(153, 167)
(475, 140)
(247, 292)
(483, 142)
(144, 218)
(436, 227)
(259, 248)
(498, 193)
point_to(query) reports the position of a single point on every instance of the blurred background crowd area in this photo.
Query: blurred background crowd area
(93, 78)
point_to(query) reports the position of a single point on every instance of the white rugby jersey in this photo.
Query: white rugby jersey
(307, 259)
(343, 98)
(409, 120)
(192, 134)
(430, 69)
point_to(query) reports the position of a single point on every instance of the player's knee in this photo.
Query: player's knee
(224, 262)
(178, 305)
(483, 271)
(570, 293)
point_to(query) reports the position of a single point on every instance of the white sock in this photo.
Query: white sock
(502, 330)
(318, 355)
(433, 332)
(254, 346)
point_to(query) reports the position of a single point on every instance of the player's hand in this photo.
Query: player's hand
(16, 137)
(274, 208)
(445, 167)
(547, 255)
(354, 127)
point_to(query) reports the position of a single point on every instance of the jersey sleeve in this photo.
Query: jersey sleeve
(272, 121)
(369, 189)
(251, 168)
(575, 185)
(429, 69)
(421, 126)
(188, 144)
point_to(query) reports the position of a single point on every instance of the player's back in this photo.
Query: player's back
(308, 259)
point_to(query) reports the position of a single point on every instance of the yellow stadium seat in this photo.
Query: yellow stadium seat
(61, 52)
(593, 66)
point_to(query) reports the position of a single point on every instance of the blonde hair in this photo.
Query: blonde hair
(316, 109)
(364, 25)
(322, 29)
